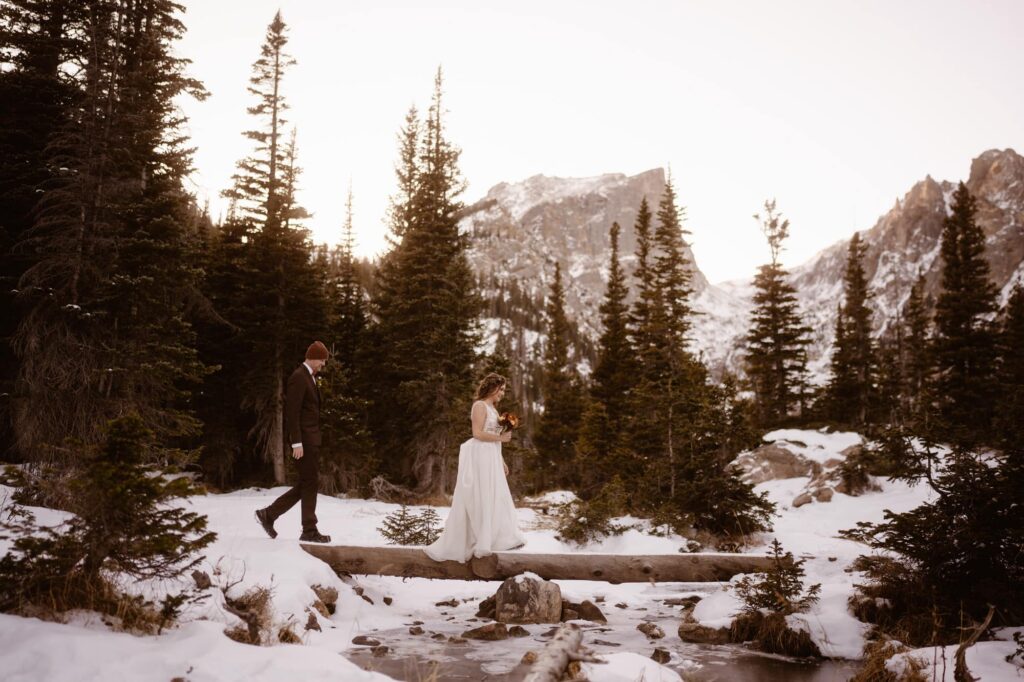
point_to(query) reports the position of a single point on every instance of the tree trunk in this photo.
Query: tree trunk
(411, 562)
(276, 438)
(563, 648)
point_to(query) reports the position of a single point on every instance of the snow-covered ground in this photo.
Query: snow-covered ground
(244, 558)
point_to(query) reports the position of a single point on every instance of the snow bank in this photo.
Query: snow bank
(811, 532)
(629, 667)
(818, 446)
(985, 660)
(32, 650)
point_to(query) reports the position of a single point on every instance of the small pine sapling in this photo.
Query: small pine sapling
(428, 527)
(780, 589)
(399, 527)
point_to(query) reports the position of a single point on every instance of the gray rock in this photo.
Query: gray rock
(490, 632)
(772, 462)
(801, 499)
(651, 630)
(528, 600)
(661, 656)
(518, 631)
(363, 640)
(823, 494)
(589, 611)
(695, 633)
(487, 608)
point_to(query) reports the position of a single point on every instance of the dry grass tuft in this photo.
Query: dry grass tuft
(771, 635)
(875, 656)
(253, 608)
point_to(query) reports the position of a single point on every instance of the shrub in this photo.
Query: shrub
(780, 589)
(125, 523)
(952, 556)
(770, 633)
(403, 527)
(586, 521)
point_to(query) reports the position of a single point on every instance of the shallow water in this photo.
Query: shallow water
(417, 658)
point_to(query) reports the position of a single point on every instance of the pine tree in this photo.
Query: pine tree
(347, 458)
(603, 447)
(781, 588)
(646, 298)
(673, 378)
(427, 306)
(1010, 412)
(777, 341)
(964, 344)
(428, 527)
(919, 393)
(559, 424)
(125, 522)
(348, 296)
(285, 304)
(112, 238)
(854, 365)
(888, 408)
(37, 98)
(399, 527)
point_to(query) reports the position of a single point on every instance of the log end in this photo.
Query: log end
(485, 567)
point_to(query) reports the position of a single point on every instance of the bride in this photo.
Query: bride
(483, 518)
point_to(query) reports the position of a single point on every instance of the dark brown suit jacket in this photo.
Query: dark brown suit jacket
(302, 408)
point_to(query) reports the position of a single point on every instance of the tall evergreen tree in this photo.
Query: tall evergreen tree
(348, 296)
(282, 306)
(919, 361)
(854, 365)
(347, 458)
(965, 339)
(603, 445)
(563, 403)
(111, 238)
(427, 308)
(1010, 411)
(672, 378)
(37, 96)
(777, 341)
(646, 296)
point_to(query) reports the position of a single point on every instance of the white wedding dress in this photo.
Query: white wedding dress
(483, 517)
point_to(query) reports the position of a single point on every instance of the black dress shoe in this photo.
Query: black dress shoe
(266, 522)
(313, 536)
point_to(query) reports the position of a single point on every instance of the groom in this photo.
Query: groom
(302, 424)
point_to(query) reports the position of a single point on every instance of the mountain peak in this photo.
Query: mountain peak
(1001, 167)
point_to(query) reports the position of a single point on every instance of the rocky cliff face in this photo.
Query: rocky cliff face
(519, 230)
(905, 243)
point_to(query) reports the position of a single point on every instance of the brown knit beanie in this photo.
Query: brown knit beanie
(317, 351)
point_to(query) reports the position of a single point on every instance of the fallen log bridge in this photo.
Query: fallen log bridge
(411, 562)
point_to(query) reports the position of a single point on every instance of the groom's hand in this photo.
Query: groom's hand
(297, 452)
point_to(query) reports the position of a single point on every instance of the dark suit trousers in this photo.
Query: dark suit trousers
(305, 491)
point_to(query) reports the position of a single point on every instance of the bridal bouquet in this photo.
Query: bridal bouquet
(508, 421)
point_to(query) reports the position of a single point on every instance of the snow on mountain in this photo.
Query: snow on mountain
(904, 244)
(519, 230)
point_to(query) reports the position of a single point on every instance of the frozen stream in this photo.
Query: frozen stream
(416, 657)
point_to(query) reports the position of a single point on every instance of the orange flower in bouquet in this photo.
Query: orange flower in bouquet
(508, 421)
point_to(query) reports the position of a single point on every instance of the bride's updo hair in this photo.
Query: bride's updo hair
(491, 383)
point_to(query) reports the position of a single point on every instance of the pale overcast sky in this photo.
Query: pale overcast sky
(833, 108)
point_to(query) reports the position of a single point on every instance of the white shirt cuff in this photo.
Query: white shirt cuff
(296, 445)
